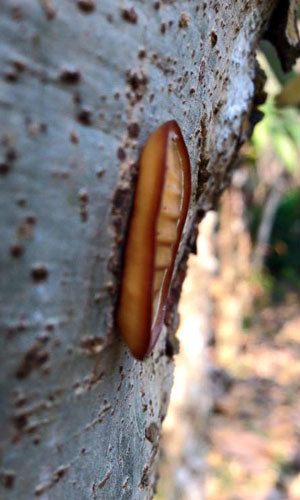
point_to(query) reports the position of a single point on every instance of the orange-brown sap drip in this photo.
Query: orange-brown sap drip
(167, 223)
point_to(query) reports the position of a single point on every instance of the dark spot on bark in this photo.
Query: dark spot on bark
(32, 360)
(4, 168)
(202, 70)
(41, 488)
(19, 327)
(11, 155)
(11, 76)
(152, 432)
(70, 76)
(16, 13)
(213, 38)
(136, 79)
(92, 345)
(49, 9)
(217, 107)
(192, 239)
(16, 250)
(156, 5)
(144, 479)
(104, 480)
(86, 6)
(84, 116)
(20, 421)
(121, 154)
(129, 15)
(60, 472)
(125, 483)
(77, 98)
(169, 349)
(73, 136)
(83, 195)
(110, 286)
(163, 28)
(50, 325)
(39, 272)
(183, 20)
(192, 91)
(34, 128)
(56, 476)
(20, 400)
(7, 478)
(30, 219)
(142, 53)
(133, 130)
(83, 201)
(120, 199)
(43, 338)
(100, 172)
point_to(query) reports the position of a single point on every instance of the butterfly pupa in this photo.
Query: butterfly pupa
(158, 215)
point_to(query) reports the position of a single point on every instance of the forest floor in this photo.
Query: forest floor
(254, 436)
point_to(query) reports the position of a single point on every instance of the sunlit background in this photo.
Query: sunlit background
(234, 418)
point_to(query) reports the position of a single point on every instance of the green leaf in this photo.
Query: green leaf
(286, 149)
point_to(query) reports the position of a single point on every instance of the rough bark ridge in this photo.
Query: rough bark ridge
(82, 84)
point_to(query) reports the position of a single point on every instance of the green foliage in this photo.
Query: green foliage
(247, 322)
(279, 134)
(283, 260)
(283, 257)
(280, 131)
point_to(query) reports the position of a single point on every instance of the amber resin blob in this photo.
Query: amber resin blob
(159, 211)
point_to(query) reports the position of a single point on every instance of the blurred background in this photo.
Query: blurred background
(233, 427)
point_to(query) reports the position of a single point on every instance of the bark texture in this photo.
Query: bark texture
(82, 84)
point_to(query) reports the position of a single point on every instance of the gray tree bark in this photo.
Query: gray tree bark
(82, 85)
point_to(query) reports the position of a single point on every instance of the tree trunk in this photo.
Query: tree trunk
(184, 440)
(82, 85)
